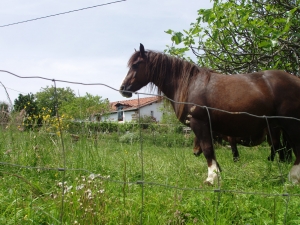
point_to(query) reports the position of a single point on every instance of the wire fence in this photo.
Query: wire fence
(217, 190)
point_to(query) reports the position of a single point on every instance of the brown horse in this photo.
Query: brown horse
(238, 106)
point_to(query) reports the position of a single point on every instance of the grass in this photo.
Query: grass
(102, 182)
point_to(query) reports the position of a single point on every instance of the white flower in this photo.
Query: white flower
(79, 187)
(67, 189)
(101, 191)
(92, 176)
(88, 193)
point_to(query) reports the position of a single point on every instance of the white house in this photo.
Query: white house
(127, 110)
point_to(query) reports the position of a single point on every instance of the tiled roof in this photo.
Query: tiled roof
(134, 103)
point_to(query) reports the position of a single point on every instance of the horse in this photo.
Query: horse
(239, 106)
(273, 140)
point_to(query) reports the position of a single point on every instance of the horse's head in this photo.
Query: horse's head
(136, 76)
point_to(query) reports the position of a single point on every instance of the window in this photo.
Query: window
(152, 114)
(120, 113)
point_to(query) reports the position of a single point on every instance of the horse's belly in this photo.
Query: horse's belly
(239, 125)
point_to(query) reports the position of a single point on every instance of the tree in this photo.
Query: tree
(50, 97)
(28, 104)
(4, 114)
(168, 114)
(86, 106)
(238, 36)
(4, 106)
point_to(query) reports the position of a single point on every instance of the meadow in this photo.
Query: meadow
(138, 177)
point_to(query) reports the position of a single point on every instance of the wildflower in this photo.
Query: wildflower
(79, 187)
(101, 191)
(92, 176)
(67, 189)
(88, 193)
(60, 184)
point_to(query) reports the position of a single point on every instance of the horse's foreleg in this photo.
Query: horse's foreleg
(291, 131)
(203, 134)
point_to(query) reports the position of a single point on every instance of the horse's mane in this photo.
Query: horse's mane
(161, 67)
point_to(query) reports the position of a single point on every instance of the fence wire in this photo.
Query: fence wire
(142, 182)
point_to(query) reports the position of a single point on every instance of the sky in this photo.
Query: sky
(86, 46)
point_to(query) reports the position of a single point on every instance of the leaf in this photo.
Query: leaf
(196, 30)
(169, 31)
(265, 44)
(177, 38)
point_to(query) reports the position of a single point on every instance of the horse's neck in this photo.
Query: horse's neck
(177, 106)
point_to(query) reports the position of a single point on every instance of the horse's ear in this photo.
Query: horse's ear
(135, 50)
(142, 51)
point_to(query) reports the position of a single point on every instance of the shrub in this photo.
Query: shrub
(130, 137)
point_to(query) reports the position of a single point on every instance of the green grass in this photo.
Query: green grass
(172, 193)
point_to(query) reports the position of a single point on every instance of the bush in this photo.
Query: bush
(130, 138)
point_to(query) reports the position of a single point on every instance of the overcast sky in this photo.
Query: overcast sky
(88, 46)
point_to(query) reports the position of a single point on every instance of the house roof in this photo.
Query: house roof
(133, 104)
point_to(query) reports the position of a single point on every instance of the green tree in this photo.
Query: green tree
(168, 114)
(238, 36)
(28, 104)
(86, 106)
(51, 97)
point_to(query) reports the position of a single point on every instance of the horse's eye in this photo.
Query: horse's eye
(135, 66)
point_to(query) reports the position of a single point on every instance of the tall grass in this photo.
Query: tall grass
(157, 181)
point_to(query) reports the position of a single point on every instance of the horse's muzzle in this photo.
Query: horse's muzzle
(124, 92)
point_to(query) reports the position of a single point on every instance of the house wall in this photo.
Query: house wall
(144, 111)
(155, 107)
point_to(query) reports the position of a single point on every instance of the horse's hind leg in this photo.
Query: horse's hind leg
(233, 145)
(285, 154)
(273, 139)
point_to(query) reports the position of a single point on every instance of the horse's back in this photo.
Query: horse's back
(239, 93)
(286, 92)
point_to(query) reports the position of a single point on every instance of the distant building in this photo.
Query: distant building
(127, 110)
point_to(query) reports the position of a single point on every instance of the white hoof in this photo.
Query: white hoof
(294, 175)
(213, 172)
